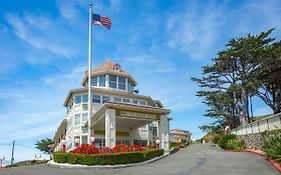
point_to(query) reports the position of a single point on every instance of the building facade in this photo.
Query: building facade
(119, 113)
(179, 135)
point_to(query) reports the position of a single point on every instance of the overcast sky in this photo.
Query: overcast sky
(44, 46)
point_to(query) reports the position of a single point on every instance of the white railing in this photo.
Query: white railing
(269, 123)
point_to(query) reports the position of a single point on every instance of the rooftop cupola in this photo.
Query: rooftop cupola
(110, 76)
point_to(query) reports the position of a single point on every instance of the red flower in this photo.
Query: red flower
(119, 148)
(85, 149)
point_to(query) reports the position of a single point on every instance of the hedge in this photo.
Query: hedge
(107, 159)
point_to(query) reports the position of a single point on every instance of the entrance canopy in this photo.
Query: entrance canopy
(127, 116)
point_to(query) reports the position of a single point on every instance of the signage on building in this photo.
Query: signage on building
(137, 115)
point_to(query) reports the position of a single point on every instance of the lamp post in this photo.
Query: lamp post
(63, 143)
(77, 141)
(93, 140)
(157, 142)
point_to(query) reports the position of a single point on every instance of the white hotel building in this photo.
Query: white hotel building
(119, 114)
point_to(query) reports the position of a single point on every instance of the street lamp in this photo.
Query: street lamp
(93, 140)
(77, 141)
(157, 142)
(63, 143)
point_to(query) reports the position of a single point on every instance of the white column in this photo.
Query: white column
(106, 81)
(164, 132)
(131, 136)
(110, 128)
(126, 84)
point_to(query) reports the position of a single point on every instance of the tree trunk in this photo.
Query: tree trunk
(236, 110)
(244, 106)
(277, 100)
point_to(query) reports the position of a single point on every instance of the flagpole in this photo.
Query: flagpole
(89, 75)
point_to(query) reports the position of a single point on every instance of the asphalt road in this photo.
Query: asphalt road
(199, 159)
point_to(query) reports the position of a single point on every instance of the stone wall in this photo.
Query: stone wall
(253, 141)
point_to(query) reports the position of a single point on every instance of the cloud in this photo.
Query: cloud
(195, 31)
(27, 28)
(70, 9)
(198, 30)
(115, 5)
(38, 105)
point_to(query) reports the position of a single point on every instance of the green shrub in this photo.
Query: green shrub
(235, 144)
(216, 139)
(224, 139)
(178, 144)
(73, 158)
(60, 157)
(107, 159)
(272, 146)
(149, 154)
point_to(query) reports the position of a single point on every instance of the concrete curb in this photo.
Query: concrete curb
(66, 165)
(275, 164)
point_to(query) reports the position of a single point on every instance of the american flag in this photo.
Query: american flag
(100, 20)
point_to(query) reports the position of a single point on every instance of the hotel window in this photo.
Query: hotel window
(99, 143)
(84, 117)
(140, 142)
(112, 81)
(122, 83)
(102, 81)
(105, 99)
(94, 81)
(84, 139)
(85, 98)
(154, 130)
(130, 87)
(96, 98)
(84, 130)
(117, 99)
(77, 119)
(77, 99)
(126, 100)
(135, 101)
(69, 126)
(69, 144)
(142, 103)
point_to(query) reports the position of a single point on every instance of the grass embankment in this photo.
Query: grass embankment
(28, 162)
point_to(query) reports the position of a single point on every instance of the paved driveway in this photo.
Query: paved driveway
(199, 159)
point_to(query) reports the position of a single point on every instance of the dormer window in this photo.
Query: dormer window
(117, 67)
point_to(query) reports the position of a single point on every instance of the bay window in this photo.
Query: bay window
(102, 81)
(96, 98)
(122, 83)
(94, 81)
(77, 119)
(77, 99)
(85, 98)
(105, 99)
(112, 81)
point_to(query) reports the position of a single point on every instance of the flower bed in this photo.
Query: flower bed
(120, 154)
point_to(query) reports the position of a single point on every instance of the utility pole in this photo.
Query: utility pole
(12, 158)
(1, 161)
